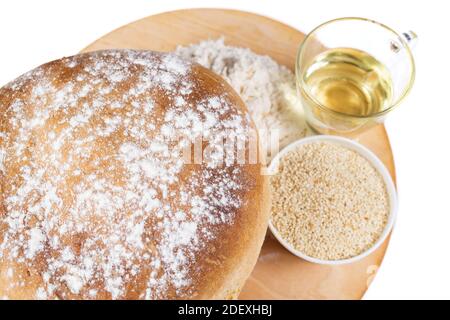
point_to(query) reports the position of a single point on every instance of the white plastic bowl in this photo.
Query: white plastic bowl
(378, 165)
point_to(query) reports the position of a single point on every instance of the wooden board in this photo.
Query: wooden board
(278, 274)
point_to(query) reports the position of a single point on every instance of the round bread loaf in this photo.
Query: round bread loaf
(98, 197)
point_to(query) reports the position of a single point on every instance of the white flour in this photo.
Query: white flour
(93, 218)
(267, 88)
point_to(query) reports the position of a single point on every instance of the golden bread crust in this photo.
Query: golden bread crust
(96, 201)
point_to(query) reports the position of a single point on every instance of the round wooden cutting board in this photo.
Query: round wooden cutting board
(278, 274)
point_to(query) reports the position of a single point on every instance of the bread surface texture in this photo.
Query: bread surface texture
(102, 194)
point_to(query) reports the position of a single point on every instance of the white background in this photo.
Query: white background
(417, 264)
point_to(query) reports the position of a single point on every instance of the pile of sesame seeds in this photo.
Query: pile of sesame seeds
(328, 201)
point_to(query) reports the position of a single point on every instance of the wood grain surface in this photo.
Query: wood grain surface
(278, 274)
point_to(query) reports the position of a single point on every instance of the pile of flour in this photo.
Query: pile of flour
(267, 88)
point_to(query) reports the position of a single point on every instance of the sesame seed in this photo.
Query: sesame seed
(328, 201)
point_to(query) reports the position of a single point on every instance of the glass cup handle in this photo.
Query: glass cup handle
(409, 36)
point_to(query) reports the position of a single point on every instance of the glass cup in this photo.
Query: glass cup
(391, 49)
